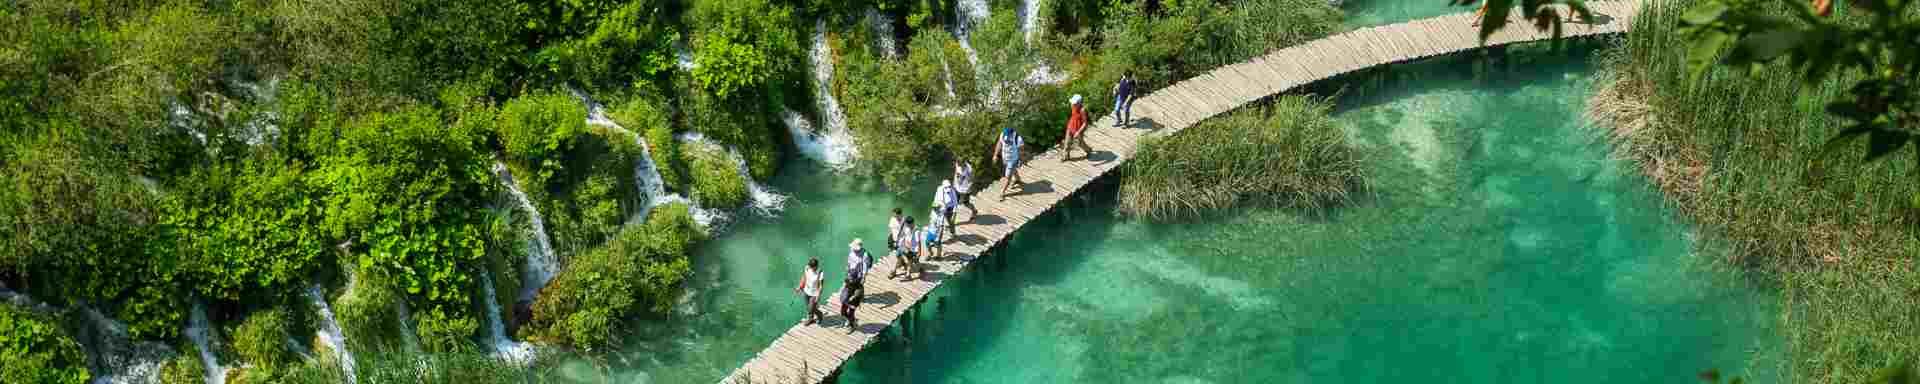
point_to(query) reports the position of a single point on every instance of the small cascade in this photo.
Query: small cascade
(403, 318)
(761, 199)
(112, 354)
(596, 112)
(683, 56)
(946, 73)
(201, 331)
(883, 33)
(540, 260)
(503, 346)
(1029, 20)
(834, 146)
(329, 331)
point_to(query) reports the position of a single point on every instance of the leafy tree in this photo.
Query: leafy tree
(629, 43)
(36, 350)
(742, 45)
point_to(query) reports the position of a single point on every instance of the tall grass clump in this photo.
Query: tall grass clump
(1290, 154)
(1743, 155)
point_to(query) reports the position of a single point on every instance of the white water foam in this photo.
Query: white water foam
(503, 347)
(329, 331)
(835, 145)
(540, 260)
(201, 332)
(883, 33)
(1029, 21)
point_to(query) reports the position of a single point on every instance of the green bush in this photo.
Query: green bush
(261, 342)
(184, 368)
(580, 177)
(1289, 154)
(743, 45)
(638, 272)
(249, 229)
(748, 124)
(36, 350)
(627, 44)
(1747, 157)
(441, 332)
(537, 130)
(716, 178)
(366, 315)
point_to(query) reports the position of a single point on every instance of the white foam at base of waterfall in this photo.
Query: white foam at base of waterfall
(832, 145)
(329, 332)
(503, 347)
(760, 198)
(201, 332)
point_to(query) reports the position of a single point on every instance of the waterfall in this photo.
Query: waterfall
(503, 346)
(1029, 20)
(201, 332)
(540, 260)
(835, 145)
(883, 32)
(683, 56)
(946, 73)
(761, 199)
(113, 355)
(646, 174)
(329, 332)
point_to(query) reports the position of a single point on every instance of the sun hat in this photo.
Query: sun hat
(1075, 99)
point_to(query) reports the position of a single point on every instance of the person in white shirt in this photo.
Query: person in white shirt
(909, 249)
(963, 183)
(810, 282)
(930, 248)
(944, 200)
(893, 228)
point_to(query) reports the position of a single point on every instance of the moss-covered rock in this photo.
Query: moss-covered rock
(260, 342)
(638, 272)
(716, 177)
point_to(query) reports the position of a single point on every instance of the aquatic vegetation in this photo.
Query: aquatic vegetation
(1746, 156)
(1287, 154)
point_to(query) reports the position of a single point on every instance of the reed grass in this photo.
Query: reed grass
(1742, 155)
(1289, 154)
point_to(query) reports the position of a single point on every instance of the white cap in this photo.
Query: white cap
(855, 244)
(1075, 99)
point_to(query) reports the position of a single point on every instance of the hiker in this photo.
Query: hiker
(930, 248)
(909, 248)
(963, 184)
(1007, 151)
(810, 287)
(1076, 127)
(855, 288)
(1123, 100)
(893, 228)
(944, 200)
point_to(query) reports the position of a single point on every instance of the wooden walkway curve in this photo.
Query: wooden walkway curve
(810, 353)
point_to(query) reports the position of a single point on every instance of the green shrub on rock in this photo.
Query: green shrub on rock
(261, 343)
(716, 178)
(647, 118)
(637, 272)
(34, 349)
(184, 368)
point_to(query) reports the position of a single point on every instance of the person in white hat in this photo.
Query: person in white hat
(1076, 126)
(854, 289)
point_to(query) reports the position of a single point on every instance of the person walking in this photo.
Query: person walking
(909, 248)
(1076, 127)
(930, 247)
(1123, 100)
(944, 200)
(893, 228)
(810, 288)
(963, 184)
(1007, 151)
(854, 291)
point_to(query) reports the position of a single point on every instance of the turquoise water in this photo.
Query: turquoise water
(1500, 243)
(1367, 13)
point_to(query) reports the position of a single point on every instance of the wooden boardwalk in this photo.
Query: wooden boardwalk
(810, 353)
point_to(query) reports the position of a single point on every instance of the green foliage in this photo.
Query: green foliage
(260, 342)
(537, 130)
(716, 179)
(1169, 44)
(456, 367)
(1746, 155)
(37, 350)
(184, 368)
(1539, 12)
(366, 313)
(247, 228)
(742, 45)
(1883, 105)
(645, 117)
(1290, 154)
(443, 332)
(746, 123)
(628, 43)
(580, 177)
(637, 272)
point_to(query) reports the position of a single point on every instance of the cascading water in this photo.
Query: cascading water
(646, 174)
(883, 32)
(329, 331)
(835, 145)
(503, 346)
(683, 56)
(1029, 20)
(761, 199)
(201, 332)
(540, 260)
(113, 355)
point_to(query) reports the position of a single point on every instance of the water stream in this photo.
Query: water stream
(329, 332)
(201, 332)
(541, 264)
(833, 143)
(760, 199)
(503, 346)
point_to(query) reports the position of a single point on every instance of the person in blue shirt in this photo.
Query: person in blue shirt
(1123, 101)
(1007, 151)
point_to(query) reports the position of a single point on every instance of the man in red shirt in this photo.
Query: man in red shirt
(1076, 126)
